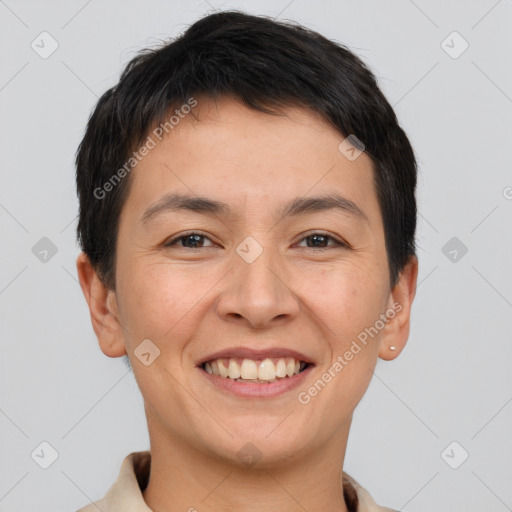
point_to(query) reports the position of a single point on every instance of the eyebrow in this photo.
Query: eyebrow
(176, 202)
(298, 206)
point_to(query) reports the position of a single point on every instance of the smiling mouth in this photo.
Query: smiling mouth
(258, 371)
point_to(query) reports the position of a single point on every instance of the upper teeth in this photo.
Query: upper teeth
(248, 369)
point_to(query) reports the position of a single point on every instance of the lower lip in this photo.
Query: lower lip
(255, 389)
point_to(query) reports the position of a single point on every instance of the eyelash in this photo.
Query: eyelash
(337, 243)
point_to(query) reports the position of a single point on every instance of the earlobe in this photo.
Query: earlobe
(103, 309)
(396, 332)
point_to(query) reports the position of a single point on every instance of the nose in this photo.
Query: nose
(257, 294)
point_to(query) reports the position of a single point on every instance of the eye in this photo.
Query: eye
(321, 241)
(189, 241)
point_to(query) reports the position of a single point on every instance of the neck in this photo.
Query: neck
(182, 478)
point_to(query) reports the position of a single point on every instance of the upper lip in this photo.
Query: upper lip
(250, 353)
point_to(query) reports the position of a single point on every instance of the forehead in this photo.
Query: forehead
(243, 157)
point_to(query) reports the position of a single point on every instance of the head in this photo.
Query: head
(226, 203)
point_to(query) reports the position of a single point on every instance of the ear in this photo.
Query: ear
(396, 331)
(103, 308)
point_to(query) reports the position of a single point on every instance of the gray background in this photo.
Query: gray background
(453, 381)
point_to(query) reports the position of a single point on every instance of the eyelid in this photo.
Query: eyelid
(172, 241)
(338, 242)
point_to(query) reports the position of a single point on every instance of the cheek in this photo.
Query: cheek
(162, 300)
(348, 306)
(345, 297)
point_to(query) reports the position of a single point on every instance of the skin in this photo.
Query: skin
(191, 302)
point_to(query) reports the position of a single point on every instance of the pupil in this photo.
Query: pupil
(317, 238)
(194, 239)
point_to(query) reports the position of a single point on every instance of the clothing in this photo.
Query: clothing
(125, 495)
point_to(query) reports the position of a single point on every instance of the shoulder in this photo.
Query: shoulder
(126, 492)
(93, 507)
(364, 501)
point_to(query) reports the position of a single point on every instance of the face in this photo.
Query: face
(283, 259)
